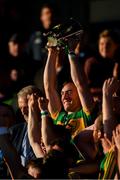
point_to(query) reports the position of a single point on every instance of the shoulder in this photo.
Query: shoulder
(91, 60)
(59, 117)
(18, 127)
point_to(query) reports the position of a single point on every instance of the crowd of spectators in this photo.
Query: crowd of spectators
(59, 112)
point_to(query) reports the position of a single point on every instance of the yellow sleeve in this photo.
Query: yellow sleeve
(55, 115)
(86, 112)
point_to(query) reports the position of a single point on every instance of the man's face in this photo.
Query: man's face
(97, 131)
(70, 98)
(13, 49)
(46, 17)
(107, 47)
(23, 105)
(14, 75)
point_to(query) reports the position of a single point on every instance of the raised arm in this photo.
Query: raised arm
(47, 126)
(79, 79)
(34, 126)
(116, 136)
(116, 70)
(50, 82)
(109, 88)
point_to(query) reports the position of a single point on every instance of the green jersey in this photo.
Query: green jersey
(108, 166)
(75, 121)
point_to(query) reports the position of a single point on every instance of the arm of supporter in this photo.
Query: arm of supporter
(47, 126)
(85, 135)
(12, 158)
(118, 160)
(34, 126)
(109, 88)
(54, 105)
(116, 137)
(86, 168)
(80, 80)
(48, 134)
(116, 70)
(85, 143)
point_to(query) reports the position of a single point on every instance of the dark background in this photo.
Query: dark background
(23, 15)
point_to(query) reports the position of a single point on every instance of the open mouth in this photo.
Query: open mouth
(67, 102)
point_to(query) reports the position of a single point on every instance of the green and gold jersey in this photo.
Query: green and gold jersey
(75, 122)
(108, 166)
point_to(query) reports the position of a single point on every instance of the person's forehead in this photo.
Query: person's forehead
(106, 39)
(68, 86)
(22, 100)
(12, 43)
(45, 9)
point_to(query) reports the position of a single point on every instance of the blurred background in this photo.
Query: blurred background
(22, 45)
(23, 15)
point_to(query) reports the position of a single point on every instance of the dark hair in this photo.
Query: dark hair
(36, 163)
(61, 131)
(49, 6)
(63, 136)
(17, 38)
(54, 165)
(63, 140)
(65, 83)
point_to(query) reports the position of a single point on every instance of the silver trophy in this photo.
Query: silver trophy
(60, 34)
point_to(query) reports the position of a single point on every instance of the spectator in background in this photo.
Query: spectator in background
(38, 41)
(17, 62)
(108, 166)
(105, 63)
(19, 132)
(7, 119)
(5, 83)
(116, 136)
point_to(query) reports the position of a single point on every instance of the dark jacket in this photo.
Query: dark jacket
(17, 135)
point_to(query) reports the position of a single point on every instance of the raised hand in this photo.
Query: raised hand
(110, 86)
(106, 144)
(34, 125)
(33, 109)
(42, 104)
(74, 45)
(52, 48)
(32, 101)
(116, 136)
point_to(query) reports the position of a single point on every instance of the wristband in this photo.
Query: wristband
(44, 113)
(4, 130)
(71, 53)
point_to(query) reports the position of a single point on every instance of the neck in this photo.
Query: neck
(46, 26)
(76, 110)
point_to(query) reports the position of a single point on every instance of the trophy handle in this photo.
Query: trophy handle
(77, 33)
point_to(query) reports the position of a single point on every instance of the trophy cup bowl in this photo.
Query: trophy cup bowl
(61, 33)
